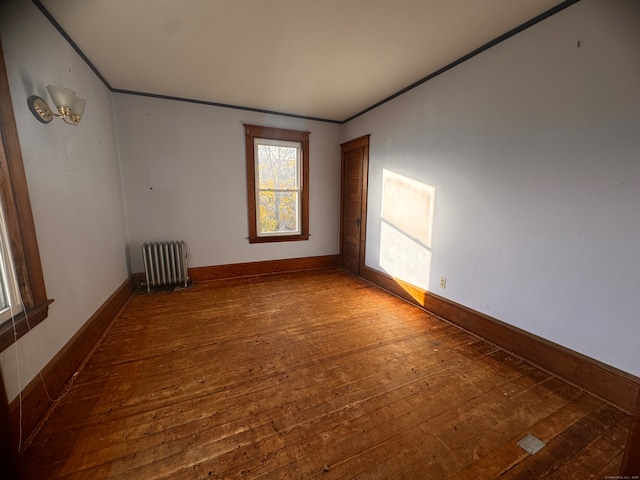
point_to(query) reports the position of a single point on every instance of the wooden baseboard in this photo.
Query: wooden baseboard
(61, 368)
(235, 270)
(217, 272)
(609, 383)
(631, 460)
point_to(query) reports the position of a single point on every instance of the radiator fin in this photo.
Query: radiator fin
(165, 265)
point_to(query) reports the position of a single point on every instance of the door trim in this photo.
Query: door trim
(360, 142)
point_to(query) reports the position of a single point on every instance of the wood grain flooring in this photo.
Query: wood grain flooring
(313, 375)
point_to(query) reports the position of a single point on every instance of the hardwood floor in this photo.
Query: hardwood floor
(313, 375)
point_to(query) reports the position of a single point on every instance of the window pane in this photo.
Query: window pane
(4, 297)
(277, 167)
(9, 296)
(278, 212)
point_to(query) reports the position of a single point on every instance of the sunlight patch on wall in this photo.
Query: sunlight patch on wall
(406, 229)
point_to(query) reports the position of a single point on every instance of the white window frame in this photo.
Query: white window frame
(257, 142)
(10, 290)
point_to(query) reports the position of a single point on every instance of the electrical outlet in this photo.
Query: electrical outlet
(443, 282)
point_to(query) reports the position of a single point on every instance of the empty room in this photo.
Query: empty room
(320, 239)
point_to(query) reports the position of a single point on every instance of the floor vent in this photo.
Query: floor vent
(531, 444)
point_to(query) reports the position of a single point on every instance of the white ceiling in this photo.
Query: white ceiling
(327, 59)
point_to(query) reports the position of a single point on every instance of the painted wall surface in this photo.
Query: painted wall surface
(184, 178)
(74, 183)
(533, 149)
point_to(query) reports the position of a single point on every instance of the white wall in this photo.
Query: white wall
(184, 178)
(533, 148)
(74, 185)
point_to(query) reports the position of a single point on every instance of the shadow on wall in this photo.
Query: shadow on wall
(406, 230)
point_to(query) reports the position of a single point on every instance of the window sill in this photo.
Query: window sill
(35, 316)
(278, 238)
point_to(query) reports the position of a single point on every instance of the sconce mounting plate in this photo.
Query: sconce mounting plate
(40, 109)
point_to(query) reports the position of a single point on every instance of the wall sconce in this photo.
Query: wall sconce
(69, 106)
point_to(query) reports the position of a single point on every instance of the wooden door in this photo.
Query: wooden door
(355, 161)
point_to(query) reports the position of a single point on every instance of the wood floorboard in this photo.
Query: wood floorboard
(313, 375)
(250, 385)
(611, 470)
(229, 409)
(377, 420)
(595, 454)
(324, 402)
(476, 456)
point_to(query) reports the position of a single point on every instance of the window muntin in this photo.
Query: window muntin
(278, 187)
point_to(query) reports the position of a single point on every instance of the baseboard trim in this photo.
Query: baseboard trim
(218, 272)
(631, 460)
(604, 381)
(56, 374)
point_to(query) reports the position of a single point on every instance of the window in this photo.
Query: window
(19, 228)
(10, 303)
(277, 184)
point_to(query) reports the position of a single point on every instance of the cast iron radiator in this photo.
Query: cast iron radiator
(165, 265)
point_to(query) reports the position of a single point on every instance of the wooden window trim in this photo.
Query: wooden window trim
(19, 220)
(252, 132)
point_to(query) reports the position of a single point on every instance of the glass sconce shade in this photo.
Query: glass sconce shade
(77, 107)
(62, 97)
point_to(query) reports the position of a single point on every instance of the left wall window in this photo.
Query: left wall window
(19, 228)
(10, 303)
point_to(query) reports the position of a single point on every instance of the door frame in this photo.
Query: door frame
(355, 144)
